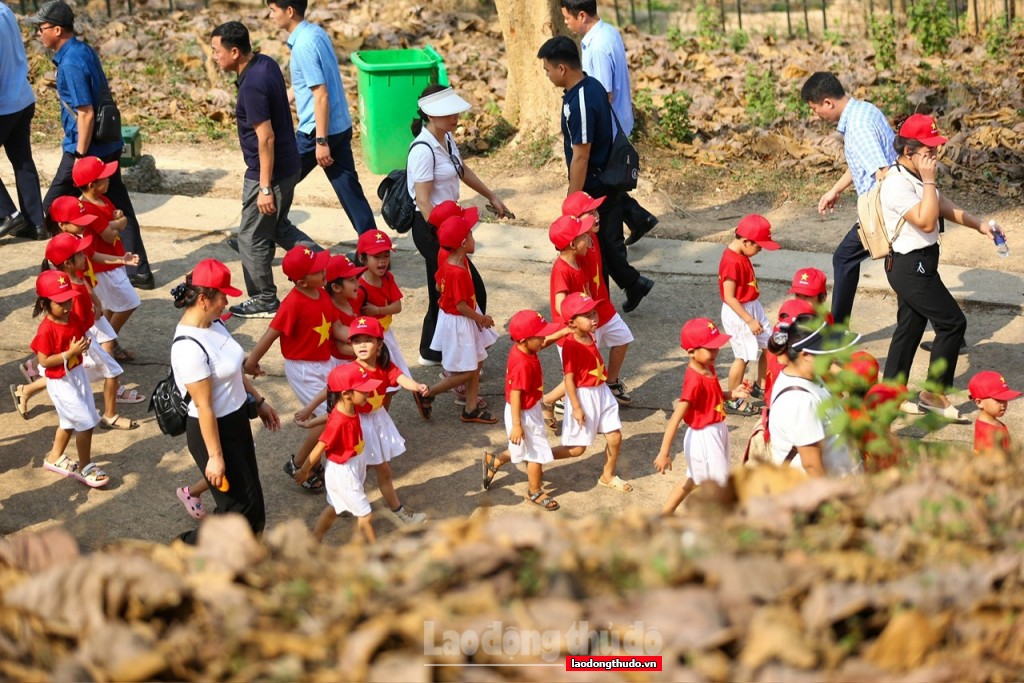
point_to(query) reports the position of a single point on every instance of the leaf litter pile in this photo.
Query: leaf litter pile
(745, 102)
(912, 574)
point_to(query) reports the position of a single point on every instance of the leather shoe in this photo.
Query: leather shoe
(636, 293)
(927, 346)
(233, 243)
(140, 281)
(15, 224)
(636, 235)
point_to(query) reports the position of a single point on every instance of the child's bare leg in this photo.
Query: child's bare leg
(109, 346)
(736, 372)
(616, 357)
(365, 524)
(117, 320)
(323, 523)
(27, 391)
(762, 367)
(472, 391)
(557, 392)
(60, 443)
(110, 387)
(563, 452)
(197, 489)
(611, 450)
(535, 475)
(83, 442)
(387, 485)
(451, 381)
(677, 496)
(308, 444)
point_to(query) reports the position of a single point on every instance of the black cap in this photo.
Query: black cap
(56, 12)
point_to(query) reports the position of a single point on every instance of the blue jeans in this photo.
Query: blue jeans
(342, 175)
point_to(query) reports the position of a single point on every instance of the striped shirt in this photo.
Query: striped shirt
(587, 119)
(867, 139)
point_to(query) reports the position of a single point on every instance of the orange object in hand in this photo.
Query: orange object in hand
(224, 486)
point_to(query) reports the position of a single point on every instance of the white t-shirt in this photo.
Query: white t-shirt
(224, 366)
(424, 167)
(900, 192)
(794, 421)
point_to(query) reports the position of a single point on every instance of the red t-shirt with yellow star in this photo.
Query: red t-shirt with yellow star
(54, 338)
(594, 268)
(704, 394)
(388, 293)
(104, 214)
(584, 362)
(388, 378)
(305, 325)
(524, 374)
(343, 437)
(991, 437)
(739, 269)
(81, 305)
(566, 278)
(346, 319)
(455, 284)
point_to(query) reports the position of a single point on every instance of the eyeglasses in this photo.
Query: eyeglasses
(43, 28)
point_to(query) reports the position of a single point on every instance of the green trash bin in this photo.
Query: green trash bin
(390, 83)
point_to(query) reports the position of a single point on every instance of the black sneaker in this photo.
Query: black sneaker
(255, 308)
(15, 224)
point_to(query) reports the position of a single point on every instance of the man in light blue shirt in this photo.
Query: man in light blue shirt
(604, 57)
(324, 134)
(17, 107)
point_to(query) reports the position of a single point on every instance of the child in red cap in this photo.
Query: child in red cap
(381, 296)
(991, 393)
(701, 406)
(524, 421)
(743, 317)
(343, 288)
(870, 423)
(307, 325)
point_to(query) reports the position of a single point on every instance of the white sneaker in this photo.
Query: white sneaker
(559, 407)
(427, 363)
(404, 516)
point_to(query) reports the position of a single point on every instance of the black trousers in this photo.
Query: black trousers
(633, 214)
(14, 138)
(613, 243)
(922, 298)
(244, 494)
(62, 185)
(425, 238)
(846, 262)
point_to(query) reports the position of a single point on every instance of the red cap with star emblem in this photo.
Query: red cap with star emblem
(864, 365)
(526, 324)
(809, 282)
(55, 286)
(90, 169)
(301, 261)
(70, 210)
(794, 308)
(990, 384)
(577, 303)
(62, 247)
(567, 228)
(757, 229)
(882, 393)
(213, 274)
(701, 333)
(367, 325)
(340, 266)
(351, 377)
(580, 203)
(922, 128)
(453, 232)
(449, 208)
(374, 242)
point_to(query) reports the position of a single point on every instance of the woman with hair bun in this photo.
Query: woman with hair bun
(800, 434)
(207, 364)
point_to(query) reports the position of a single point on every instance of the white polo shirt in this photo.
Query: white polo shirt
(434, 164)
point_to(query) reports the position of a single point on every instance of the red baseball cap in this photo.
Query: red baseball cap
(70, 210)
(448, 208)
(567, 228)
(701, 333)
(883, 393)
(526, 324)
(55, 286)
(301, 261)
(339, 266)
(922, 128)
(576, 303)
(990, 384)
(757, 229)
(865, 365)
(214, 274)
(62, 247)
(579, 203)
(90, 169)
(794, 308)
(351, 377)
(367, 325)
(374, 242)
(454, 231)
(809, 282)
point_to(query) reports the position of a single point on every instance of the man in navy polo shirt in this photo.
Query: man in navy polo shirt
(324, 137)
(267, 139)
(587, 136)
(81, 86)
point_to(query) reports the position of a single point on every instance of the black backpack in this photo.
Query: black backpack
(170, 407)
(397, 208)
(623, 166)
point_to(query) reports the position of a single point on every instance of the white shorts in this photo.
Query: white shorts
(707, 453)
(72, 398)
(115, 291)
(308, 378)
(396, 357)
(381, 440)
(104, 330)
(535, 446)
(343, 483)
(600, 416)
(745, 345)
(98, 363)
(462, 343)
(615, 332)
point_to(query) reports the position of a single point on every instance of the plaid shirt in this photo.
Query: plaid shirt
(867, 139)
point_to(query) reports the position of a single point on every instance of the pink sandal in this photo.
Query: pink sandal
(192, 504)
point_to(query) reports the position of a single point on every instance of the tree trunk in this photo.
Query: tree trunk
(532, 104)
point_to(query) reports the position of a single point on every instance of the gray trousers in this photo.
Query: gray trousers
(259, 235)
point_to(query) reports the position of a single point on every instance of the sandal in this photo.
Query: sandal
(756, 391)
(489, 469)
(121, 355)
(29, 370)
(547, 502)
(949, 412)
(619, 392)
(742, 407)
(313, 483)
(64, 466)
(129, 395)
(92, 476)
(20, 402)
(616, 483)
(424, 404)
(548, 411)
(192, 504)
(478, 416)
(116, 423)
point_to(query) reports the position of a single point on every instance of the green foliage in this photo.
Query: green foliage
(931, 24)
(709, 27)
(833, 37)
(676, 38)
(997, 40)
(892, 99)
(883, 40)
(792, 103)
(759, 89)
(675, 117)
(738, 40)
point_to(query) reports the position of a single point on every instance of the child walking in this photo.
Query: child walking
(743, 317)
(701, 407)
(343, 288)
(991, 393)
(381, 296)
(60, 344)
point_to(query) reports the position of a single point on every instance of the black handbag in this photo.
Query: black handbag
(622, 169)
(107, 124)
(397, 208)
(167, 403)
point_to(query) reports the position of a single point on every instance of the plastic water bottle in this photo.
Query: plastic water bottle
(1000, 239)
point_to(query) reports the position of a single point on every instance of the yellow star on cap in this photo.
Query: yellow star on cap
(61, 281)
(307, 252)
(377, 400)
(803, 277)
(711, 326)
(599, 372)
(324, 329)
(361, 322)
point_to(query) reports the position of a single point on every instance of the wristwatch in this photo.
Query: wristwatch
(265, 191)
(321, 141)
